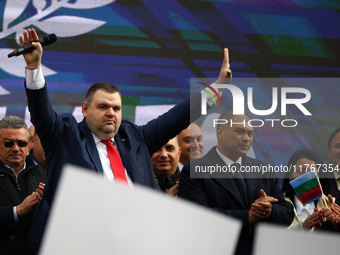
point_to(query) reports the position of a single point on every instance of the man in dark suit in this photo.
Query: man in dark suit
(66, 141)
(20, 186)
(229, 193)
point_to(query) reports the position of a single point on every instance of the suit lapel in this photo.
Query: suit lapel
(91, 147)
(8, 188)
(227, 183)
(124, 148)
(252, 183)
(252, 188)
(230, 185)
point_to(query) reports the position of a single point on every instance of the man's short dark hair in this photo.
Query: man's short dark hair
(108, 87)
(14, 122)
(332, 136)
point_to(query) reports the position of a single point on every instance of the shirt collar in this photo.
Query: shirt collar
(299, 206)
(12, 170)
(227, 160)
(97, 140)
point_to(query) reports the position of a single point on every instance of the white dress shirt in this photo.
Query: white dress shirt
(104, 159)
(227, 160)
(303, 211)
(35, 80)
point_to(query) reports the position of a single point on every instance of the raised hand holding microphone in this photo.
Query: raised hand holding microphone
(33, 58)
(45, 40)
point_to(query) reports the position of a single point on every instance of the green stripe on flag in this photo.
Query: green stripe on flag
(310, 184)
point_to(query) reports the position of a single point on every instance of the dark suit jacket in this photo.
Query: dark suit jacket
(222, 194)
(328, 183)
(66, 141)
(13, 234)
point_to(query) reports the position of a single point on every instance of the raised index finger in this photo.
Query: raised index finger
(263, 194)
(226, 57)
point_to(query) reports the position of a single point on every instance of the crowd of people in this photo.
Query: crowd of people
(158, 155)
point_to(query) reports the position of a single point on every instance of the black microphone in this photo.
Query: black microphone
(45, 40)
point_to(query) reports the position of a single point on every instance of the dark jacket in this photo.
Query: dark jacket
(66, 141)
(222, 194)
(166, 181)
(12, 192)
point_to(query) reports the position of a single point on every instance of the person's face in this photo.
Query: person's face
(235, 141)
(165, 160)
(104, 114)
(190, 141)
(13, 156)
(302, 166)
(196, 142)
(38, 152)
(333, 152)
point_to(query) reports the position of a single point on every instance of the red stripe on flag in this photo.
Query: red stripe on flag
(310, 194)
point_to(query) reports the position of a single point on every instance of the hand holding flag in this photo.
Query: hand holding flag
(307, 187)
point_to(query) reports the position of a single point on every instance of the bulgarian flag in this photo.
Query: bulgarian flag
(307, 187)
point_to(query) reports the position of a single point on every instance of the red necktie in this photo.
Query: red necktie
(115, 161)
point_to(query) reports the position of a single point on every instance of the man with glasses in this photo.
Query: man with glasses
(21, 186)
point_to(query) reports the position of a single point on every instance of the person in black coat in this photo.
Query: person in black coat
(229, 191)
(21, 186)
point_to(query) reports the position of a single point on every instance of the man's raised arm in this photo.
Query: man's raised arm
(225, 72)
(34, 76)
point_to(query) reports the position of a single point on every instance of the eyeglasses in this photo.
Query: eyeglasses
(19, 143)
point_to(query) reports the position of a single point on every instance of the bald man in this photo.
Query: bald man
(251, 200)
(190, 141)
